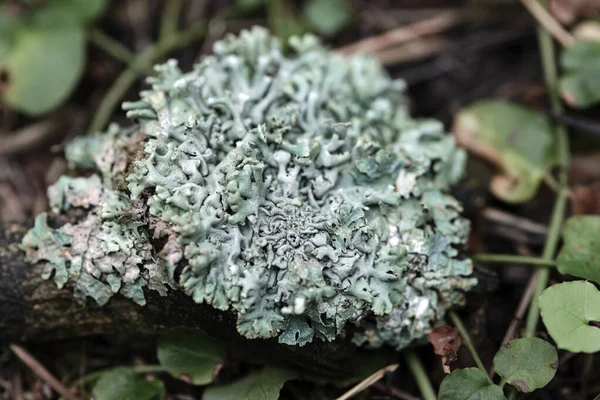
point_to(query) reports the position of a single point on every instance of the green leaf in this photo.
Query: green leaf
(7, 34)
(43, 60)
(580, 86)
(328, 17)
(190, 354)
(122, 383)
(567, 309)
(85, 9)
(43, 68)
(527, 364)
(469, 384)
(42, 53)
(580, 254)
(263, 385)
(517, 140)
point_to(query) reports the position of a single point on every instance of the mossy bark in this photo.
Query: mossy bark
(34, 309)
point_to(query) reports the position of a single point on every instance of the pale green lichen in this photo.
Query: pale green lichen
(294, 190)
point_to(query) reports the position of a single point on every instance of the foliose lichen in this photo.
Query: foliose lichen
(293, 189)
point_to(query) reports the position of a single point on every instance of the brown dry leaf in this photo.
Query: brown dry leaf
(585, 199)
(566, 11)
(446, 341)
(584, 179)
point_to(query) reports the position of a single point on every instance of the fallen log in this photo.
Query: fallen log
(34, 309)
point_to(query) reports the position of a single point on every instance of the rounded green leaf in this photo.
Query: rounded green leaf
(191, 355)
(527, 364)
(519, 141)
(123, 383)
(263, 385)
(580, 86)
(469, 384)
(44, 61)
(42, 53)
(567, 309)
(580, 254)
(85, 9)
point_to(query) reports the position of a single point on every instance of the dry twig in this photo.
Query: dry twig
(41, 371)
(414, 50)
(546, 19)
(28, 137)
(403, 34)
(370, 380)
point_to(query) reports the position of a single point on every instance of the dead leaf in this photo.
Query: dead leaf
(585, 199)
(584, 179)
(446, 341)
(517, 140)
(566, 11)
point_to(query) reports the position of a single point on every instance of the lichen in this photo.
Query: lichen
(292, 189)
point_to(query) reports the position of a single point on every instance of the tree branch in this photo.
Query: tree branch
(34, 309)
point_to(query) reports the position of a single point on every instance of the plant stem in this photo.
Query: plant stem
(142, 62)
(509, 258)
(562, 144)
(418, 372)
(170, 18)
(111, 46)
(468, 342)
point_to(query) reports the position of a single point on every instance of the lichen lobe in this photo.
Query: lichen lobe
(295, 190)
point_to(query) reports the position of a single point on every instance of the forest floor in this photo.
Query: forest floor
(450, 53)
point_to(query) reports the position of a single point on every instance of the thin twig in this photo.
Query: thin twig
(42, 372)
(468, 342)
(16, 387)
(418, 372)
(582, 125)
(403, 34)
(411, 51)
(546, 19)
(370, 380)
(514, 259)
(111, 46)
(143, 61)
(29, 137)
(503, 217)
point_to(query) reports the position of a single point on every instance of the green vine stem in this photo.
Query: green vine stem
(558, 214)
(142, 62)
(418, 372)
(510, 258)
(111, 46)
(468, 342)
(170, 18)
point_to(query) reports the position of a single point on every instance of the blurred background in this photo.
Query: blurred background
(67, 65)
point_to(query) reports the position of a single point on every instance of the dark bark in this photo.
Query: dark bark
(33, 309)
